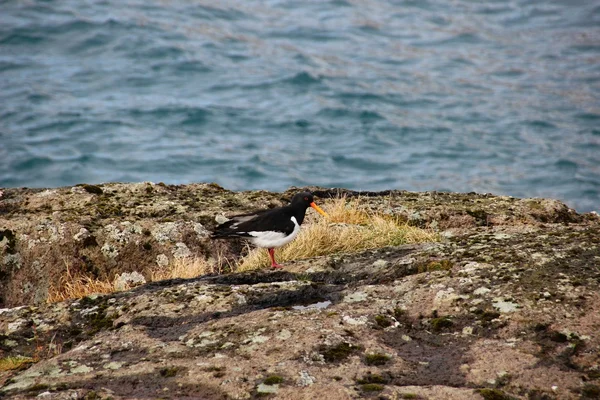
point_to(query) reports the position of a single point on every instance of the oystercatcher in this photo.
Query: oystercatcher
(269, 228)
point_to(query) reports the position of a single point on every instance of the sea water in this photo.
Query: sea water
(489, 96)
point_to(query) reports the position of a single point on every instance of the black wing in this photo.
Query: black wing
(278, 220)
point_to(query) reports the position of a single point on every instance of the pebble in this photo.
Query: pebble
(266, 389)
(355, 297)
(305, 379)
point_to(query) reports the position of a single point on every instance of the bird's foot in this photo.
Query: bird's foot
(276, 266)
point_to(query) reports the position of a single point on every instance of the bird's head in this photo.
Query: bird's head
(305, 200)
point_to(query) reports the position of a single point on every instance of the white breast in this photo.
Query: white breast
(271, 239)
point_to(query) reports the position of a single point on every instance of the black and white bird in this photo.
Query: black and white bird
(269, 228)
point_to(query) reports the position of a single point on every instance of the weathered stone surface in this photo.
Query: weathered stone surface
(106, 230)
(128, 280)
(507, 304)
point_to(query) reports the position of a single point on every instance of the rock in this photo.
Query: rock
(284, 335)
(116, 234)
(81, 235)
(162, 260)
(315, 329)
(481, 291)
(5, 243)
(355, 297)
(267, 389)
(505, 306)
(113, 365)
(445, 298)
(109, 251)
(305, 379)
(16, 325)
(181, 251)
(221, 219)
(259, 339)
(12, 260)
(355, 321)
(201, 231)
(167, 232)
(128, 280)
(81, 369)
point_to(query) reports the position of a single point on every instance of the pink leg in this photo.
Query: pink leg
(273, 262)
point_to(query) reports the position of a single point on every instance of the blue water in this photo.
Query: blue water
(496, 96)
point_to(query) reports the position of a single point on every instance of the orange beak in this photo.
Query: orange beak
(319, 210)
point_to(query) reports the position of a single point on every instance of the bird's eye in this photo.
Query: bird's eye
(306, 198)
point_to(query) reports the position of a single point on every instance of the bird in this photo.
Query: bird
(270, 228)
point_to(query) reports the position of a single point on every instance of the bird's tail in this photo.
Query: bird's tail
(224, 234)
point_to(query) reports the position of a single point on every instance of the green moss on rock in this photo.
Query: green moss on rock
(441, 323)
(376, 359)
(92, 395)
(487, 315)
(494, 394)
(435, 265)
(372, 387)
(100, 320)
(273, 380)
(383, 321)
(372, 378)
(338, 352)
(372, 383)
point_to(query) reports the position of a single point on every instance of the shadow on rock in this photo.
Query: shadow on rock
(151, 385)
(436, 357)
(171, 328)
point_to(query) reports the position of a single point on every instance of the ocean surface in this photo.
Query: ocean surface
(497, 96)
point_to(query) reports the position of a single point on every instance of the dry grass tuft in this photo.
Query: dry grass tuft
(187, 268)
(76, 286)
(73, 286)
(349, 228)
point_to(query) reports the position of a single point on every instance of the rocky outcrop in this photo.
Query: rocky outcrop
(103, 231)
(106, 230)
(504, 306)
